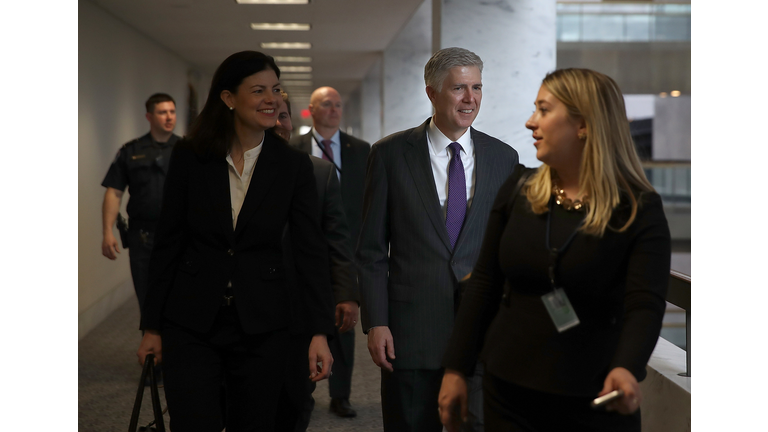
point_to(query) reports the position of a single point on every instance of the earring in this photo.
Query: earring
(582, 136)
(231, 108)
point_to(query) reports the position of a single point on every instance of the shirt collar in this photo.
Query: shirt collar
(250, 154)
(335, 139)
(171, 140)
(439, 142)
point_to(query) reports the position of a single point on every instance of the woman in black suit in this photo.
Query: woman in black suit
(567, 296)
(218, 308)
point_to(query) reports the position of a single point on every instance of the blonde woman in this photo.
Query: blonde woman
(575, 260)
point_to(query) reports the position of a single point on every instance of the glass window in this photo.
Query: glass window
(568, 8)
(603, 28)
(627, 8)
(672, 28)
(638, 28)
(569, 28)
(673, 9)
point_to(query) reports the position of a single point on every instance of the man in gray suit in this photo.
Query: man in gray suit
(348, 154)
(428, 195)
(296, 402)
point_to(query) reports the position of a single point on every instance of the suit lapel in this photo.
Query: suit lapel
(305, 143)
(417, 157)
(264, 174)
(217, 174)
(482, 172)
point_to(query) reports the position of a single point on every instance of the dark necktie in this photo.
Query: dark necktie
(457, 195)
(328, 153)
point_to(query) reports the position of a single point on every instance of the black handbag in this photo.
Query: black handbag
(158, 423)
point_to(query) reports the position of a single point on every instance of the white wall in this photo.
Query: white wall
(405, 101)
(118, 69)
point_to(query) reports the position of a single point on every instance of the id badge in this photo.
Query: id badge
(560, 309)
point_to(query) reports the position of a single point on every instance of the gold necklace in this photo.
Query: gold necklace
(563, 201)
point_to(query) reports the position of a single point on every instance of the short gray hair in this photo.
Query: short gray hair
(447, 58)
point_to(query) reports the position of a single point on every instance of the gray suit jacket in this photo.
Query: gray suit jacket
(408, 273)
(354, 154)
(334, 225)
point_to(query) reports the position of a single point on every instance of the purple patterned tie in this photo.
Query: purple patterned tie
(328, 150)
(457, 195)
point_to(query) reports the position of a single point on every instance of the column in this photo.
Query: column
(516, 39)
(405, 101)
(370, 98)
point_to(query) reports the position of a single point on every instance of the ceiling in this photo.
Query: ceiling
(347, 36)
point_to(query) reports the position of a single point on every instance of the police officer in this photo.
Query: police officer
(141, 165)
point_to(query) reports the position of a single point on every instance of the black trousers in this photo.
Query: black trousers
(409, 400)
(296, 402)
(511, 408)
(343, 351)
(140, 244)
(252, 368)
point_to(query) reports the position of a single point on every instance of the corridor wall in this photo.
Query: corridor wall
(118, 69)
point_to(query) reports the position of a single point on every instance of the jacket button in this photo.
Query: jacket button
(231, 252)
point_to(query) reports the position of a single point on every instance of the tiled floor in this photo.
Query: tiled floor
(109, 375)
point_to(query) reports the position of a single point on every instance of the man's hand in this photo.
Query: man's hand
(319, 353)
(452, 401)
(381, 346)
(109, 246)
(109, 210)
(151, 343)
(621, 379)
(346, 315)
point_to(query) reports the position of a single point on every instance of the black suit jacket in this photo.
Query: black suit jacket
(334, 225)
(354, 156)
(197, 252)
(408, 272)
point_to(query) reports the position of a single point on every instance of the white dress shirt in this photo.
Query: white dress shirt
(440, 156)
(238, 183)
(335, 148)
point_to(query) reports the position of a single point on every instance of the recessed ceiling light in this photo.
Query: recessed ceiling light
(674, 93)
(272, 1)
(285, 45)
(280, 26)
(296, 76)
(293, 59)
(663, 94)
(296, 69)
(297, 83)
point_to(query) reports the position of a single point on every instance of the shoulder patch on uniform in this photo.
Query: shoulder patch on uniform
(135, 140)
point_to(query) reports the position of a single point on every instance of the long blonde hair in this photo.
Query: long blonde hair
(609, 164)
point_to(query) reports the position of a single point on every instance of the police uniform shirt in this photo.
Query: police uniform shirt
(141, 165)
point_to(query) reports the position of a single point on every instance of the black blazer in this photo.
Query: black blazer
(408, 271)
(354, 157)
(616, 285)
(334, 225)
(197, 252)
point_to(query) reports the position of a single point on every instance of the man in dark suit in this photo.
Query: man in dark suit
(349, 155)
(296, 402)
(428, 195)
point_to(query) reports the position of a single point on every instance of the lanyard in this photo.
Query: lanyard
(555, 253)
(331, 159)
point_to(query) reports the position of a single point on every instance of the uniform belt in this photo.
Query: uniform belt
(228, 299)
(143, 224)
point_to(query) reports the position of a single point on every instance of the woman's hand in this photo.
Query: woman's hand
(452, 401)
(622, 379)
(151, 343)
(319, 352)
